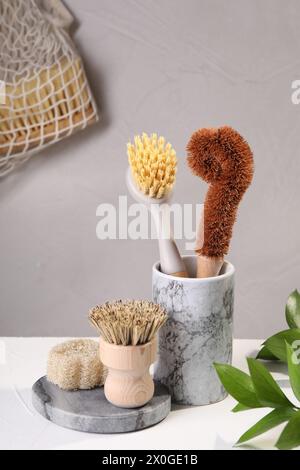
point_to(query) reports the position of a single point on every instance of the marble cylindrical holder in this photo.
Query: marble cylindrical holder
(128, 383)
(198, 332)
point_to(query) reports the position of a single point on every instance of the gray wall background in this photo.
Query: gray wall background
(170, 66)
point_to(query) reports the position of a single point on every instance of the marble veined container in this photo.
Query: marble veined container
(197, 334)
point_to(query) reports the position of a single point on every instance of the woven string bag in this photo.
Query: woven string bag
(44, 93)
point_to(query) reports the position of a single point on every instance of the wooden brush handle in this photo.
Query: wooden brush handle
(206, 266)
(170, 260)
(128, 383)
(209, 267)
(180, 274)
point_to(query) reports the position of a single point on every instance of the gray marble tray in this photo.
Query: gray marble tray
(89, 411)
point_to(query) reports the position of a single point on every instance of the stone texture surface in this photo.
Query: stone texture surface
(89, 411)
(197, 334)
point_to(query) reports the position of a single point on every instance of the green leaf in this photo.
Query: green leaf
(266, 355)
(267, 391)
(238, 384)
(290, 436)
(276, 343)
(240, 407)
(292, 310)
(294, 368)
(271, 420)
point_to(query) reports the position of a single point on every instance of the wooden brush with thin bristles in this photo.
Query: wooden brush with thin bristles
(130, 322)
(222, 158)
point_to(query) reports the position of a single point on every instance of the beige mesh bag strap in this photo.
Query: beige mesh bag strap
(47, 96)
(57, 12)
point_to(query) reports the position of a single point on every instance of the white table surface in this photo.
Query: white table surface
(23, 361)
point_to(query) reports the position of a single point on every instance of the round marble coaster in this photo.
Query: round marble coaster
(89, 411)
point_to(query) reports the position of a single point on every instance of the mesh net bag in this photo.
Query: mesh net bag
(47, 96)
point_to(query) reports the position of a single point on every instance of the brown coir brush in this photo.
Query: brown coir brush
(222, 158)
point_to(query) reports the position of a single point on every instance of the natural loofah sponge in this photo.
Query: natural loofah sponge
(75, 365)
(153, 164)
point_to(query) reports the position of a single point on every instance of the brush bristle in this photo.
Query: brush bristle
(223, 158)
(153, 164)
(129, 322)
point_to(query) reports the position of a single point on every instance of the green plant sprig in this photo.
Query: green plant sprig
(274, 347)
(260, 390)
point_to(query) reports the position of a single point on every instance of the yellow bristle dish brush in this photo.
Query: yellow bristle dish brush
(150, 179)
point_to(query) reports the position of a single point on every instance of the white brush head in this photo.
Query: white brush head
(139, 196)
(150, 180)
